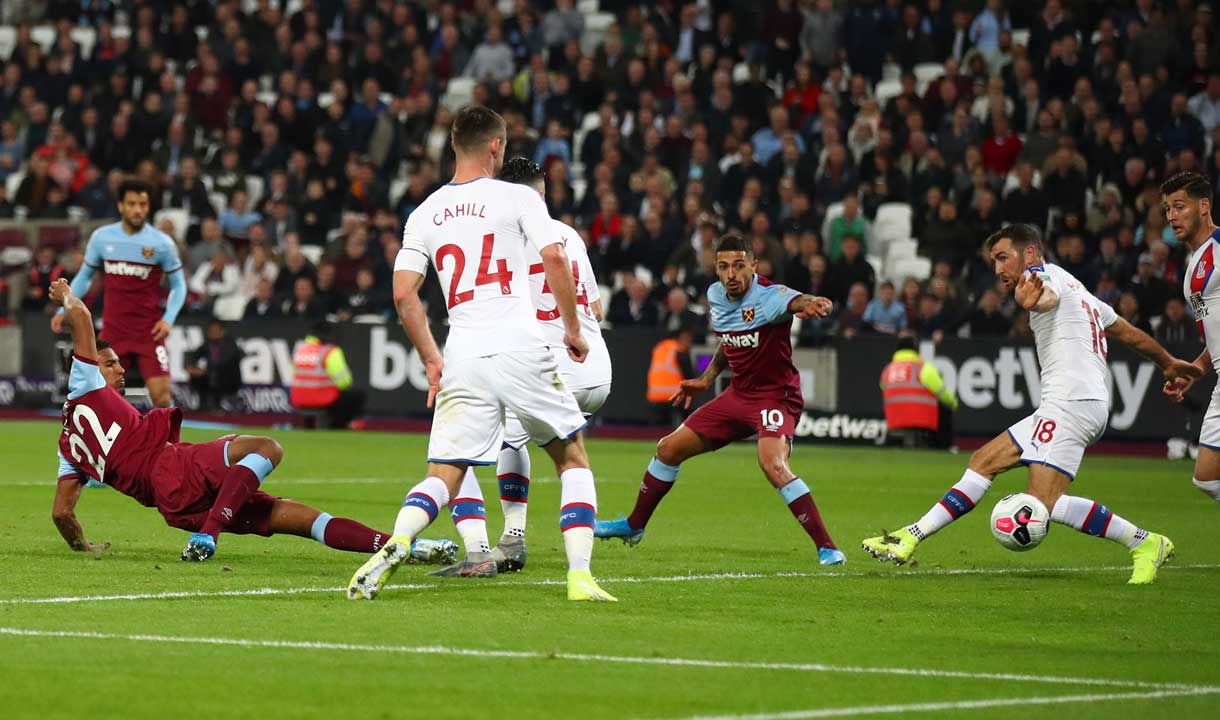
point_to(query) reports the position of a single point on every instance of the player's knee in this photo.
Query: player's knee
(270, 449)
(776, 469)
(667, 451)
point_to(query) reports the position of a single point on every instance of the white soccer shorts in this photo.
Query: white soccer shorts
(1209, 436)
(1057, 434)
(589, 399)
(475, 394)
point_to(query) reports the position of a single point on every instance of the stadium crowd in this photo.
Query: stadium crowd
(865, 148)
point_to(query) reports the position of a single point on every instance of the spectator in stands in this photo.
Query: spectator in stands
(884, 313)
(1149, 291)
(1026, 203)
(367, 298)
(355, 257)
(851, 315)
(930, 321)
(630, 305)
(7, 210)
(12, 150)
(216, 280)
(215, 369)
(851, 269)
(1002, 148)
(1176, 327)
(35, 187)
(677, 314)
(303, 304)
(851, 222)
(986, 320)
(46, 270)
(947, 237)
(262, 306)
(259, 266)
(1205, 106)
(236, 220)
(1129, 310)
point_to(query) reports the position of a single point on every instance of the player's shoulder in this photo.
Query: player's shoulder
(716, 294)
(572, 241)
(109, 231)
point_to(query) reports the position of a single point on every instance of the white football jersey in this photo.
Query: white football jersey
(1071, 339)
(1202, 291)
(476, 234)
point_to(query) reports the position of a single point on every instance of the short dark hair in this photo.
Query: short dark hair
(906, 342)
(321, 329)
(522, 171)
(474, 126)
(734, 242)
(133, 185)
(1021, 235)
(102, 345)
(1196, 186)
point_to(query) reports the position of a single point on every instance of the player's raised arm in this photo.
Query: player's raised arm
(78, 319)
(1142, 342)
(810, 306)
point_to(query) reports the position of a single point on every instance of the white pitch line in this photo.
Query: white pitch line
(708, 577)
(600, 659)
(963, 705)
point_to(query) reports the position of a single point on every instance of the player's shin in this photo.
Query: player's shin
(959, 500)
(240, 482)
(421, 507)
(1092, 518)
(513, 473)
(470, 514)
(658, 480)
(577, 514)
(346, 534)
(800, 502)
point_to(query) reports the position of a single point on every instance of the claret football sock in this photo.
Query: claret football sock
(513, 474)
(345, 534)
(658, 480)
(959, 500)
(470, 514)
(1092, 518)
(421, 507)
(800, 502)
(238, 485)
(577, 514)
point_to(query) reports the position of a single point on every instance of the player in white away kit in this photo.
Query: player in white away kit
(1070, 327)
(589, 382)
(475, 231)
(1188, 207)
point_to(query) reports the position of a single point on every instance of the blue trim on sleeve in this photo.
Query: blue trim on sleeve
(84, 378)
(794, 490)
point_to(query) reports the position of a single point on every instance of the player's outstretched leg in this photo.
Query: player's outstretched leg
(577, 516)
(420, 508)
(251, 459)
(773, 459)
(1207, 466)
(290, 517)
(674, 449)
(470, 517)
(986, 462)
(513, 474)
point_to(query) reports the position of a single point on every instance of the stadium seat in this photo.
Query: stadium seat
(1011, 182)
(887, 89)
(900, 250)
(893, 221)
(124, 31)
(254, 188)
(8, 41)
(1020, 37)
(60, 237)
(579, 186)
(219, 202)
(741, 73)
(325, 99)
(588, 7)
(85, 37)
(398, 186)
(12, 183)
(313, 253)
(925, 73)
(595, 31)
(891, 71)
(459, 92)
(832, 212)
(229, 308)
(44, 35)
(268, 98)
(916, 267)
(877, 263)
(179, 217)
(13, 237)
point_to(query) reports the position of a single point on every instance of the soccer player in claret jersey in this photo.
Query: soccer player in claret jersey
(1070, 330)
(132, 256)
(474, 231)
(205, 488)
(1188, 207)
(589, 382)
(753, 319)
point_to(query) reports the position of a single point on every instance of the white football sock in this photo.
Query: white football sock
(421, 507)
(577, 513)
(513, 473)
(1095, 519)
(470, 514)
(1210, 487)
(959, 500)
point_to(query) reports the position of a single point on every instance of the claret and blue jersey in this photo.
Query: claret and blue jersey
(755, 334)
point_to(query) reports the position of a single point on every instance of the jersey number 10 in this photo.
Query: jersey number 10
(502, 275)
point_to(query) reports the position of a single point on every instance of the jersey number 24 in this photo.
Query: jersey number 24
(502, 275)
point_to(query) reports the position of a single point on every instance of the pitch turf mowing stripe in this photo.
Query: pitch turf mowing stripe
(602, 659)
(710, 577)
(962, 705)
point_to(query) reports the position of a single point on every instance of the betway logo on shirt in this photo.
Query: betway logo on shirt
(745, 340)
(136, 270)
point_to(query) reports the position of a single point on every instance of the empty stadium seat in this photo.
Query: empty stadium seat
(595, 31)
(900, 250)
(459, 92)
(12, 183)
(8, 41)
(832, 212)
(887, 89)
(916, 267)
(588, 7)
(44, 35)
(180, 218)
(925, 73)
(1020, 37)
(85, 38)
(254, 188)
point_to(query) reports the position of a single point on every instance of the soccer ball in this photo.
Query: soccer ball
(1020, 521)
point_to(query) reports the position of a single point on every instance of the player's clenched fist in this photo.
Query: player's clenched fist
(60, 290)
(578, 347)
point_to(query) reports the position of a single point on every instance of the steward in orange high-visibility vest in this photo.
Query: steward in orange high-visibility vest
(664, 373)
(912, 390)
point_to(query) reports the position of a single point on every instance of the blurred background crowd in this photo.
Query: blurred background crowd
(866, 148)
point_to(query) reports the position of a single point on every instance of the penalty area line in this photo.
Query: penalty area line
(600, 659)
(707, 577)
(925, 707)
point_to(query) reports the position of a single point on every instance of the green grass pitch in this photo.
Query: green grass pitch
(723, 608)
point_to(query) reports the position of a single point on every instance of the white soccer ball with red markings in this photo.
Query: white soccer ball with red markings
(1020, 521)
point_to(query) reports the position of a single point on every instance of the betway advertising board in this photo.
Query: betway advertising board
(998, 382)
